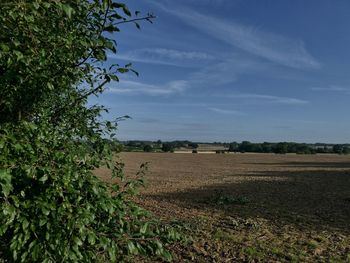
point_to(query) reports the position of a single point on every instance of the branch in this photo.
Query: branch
(148, 18)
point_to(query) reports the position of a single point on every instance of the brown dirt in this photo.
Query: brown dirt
(251, 207)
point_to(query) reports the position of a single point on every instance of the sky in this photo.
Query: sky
(234, 70)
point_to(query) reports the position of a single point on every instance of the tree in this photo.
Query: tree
(245, 146)
(346, 150)
(233, 147)
(281, 148)
(52, 206)
(167, 147)
(147, 148)
(193, 145)
(338, 148)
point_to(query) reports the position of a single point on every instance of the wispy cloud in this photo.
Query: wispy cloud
(224, 111)
(225, 72)
(176, 54)
(273, 47)
(138, 88)
(332, 88)
(164, 56)
(267, 98)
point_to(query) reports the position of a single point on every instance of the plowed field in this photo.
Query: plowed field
(251, 207)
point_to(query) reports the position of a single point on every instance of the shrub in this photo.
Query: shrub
(148, 148)
(167, 147)
(52, 206)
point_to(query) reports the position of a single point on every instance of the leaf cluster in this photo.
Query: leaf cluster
(52, 206)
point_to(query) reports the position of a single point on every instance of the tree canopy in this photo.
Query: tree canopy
(52, 206)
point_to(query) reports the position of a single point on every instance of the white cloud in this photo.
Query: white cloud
(176, 54)
(164, 56)
(267, 98)
(134, 87)
(279, 49)
(225, 72)
(332, 88)
(223, 111)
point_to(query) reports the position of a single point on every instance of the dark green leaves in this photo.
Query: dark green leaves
(52, 206)
(68, 10)
(5, 181)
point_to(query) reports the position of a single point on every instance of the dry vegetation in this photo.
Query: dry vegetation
(251, 207)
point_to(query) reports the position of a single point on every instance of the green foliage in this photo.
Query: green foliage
(233, 147)
(76, 215)
(147, 148)
(193, 145)
(281, 148)
(341, 149)
(52, 206)
(167, 147)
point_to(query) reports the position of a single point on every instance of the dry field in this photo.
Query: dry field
(251, 207)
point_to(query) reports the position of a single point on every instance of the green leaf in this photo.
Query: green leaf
(144, 228)
(132, 248)
(19, 55)
(91, 239)
(77, 241)
(25, 224)
(5, 181)
(50, 86)
(68, 10)
(126, 10)
(45, 211)
(44, 178)
(36, 5)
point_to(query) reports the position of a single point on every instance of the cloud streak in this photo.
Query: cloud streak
(226, 112)
(164, 56)
(278, 49)
(225, 72)
(138, 88)
(268, 98)
(332, 88)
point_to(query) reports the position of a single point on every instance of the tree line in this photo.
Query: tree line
(243, 147)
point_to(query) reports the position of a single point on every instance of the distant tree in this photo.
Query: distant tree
(292, 147)
(245, 146)
(116, 146)
(267, 147)
(233, 147)
(346, 150)
(281, 148)
(167, 147)
(193, 145)
(338, 148)
(147, 148)
(256, 147)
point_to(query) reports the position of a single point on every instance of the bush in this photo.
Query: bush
(148, 148)
(52, 206)
(77, 217)
(167, 147)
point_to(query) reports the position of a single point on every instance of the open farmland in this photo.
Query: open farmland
(251, 207)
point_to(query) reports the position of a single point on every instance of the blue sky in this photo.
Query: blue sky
(227, 70)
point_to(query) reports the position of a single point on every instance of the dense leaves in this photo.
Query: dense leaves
(52, 206)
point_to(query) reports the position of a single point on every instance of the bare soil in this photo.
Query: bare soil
(251, 207)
